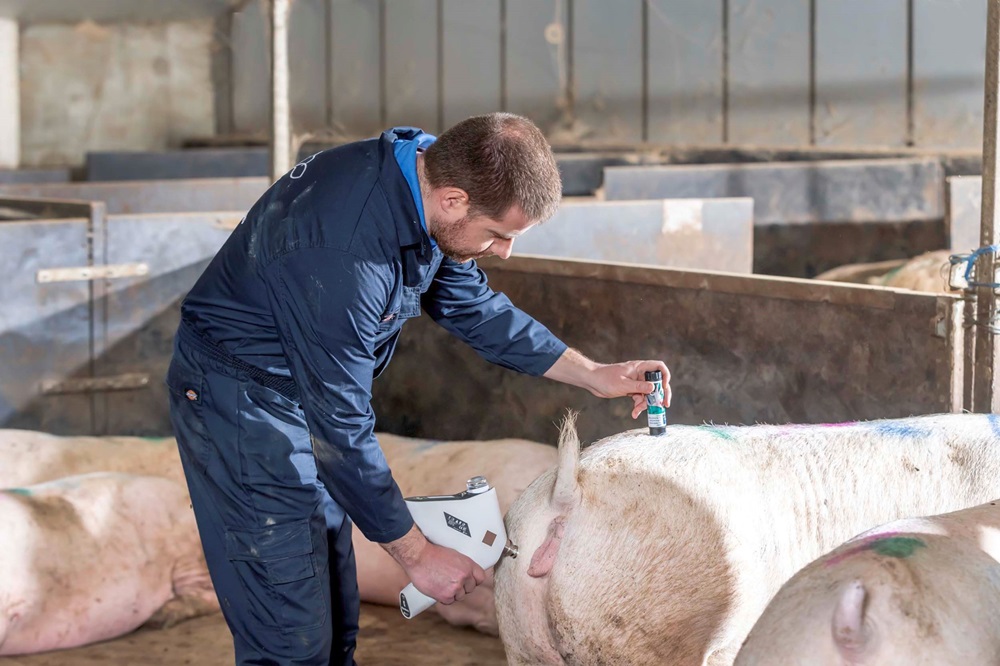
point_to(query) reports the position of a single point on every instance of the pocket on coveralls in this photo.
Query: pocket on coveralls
(187, 399)
(278, 573)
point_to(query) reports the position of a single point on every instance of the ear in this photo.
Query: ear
(849, 630)
(454, 200)
(545, 556)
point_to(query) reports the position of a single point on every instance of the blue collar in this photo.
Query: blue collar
(409, 140)
(414, 243)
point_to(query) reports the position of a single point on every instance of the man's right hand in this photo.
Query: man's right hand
(441, 573)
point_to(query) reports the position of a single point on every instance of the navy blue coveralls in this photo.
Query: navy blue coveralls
(271, 379)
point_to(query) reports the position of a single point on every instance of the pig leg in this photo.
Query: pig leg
(178, 609)
(193, 593)
(477, 609)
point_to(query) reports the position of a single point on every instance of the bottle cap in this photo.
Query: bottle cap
(654, 376)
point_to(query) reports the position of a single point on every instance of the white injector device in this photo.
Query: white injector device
(469, 522)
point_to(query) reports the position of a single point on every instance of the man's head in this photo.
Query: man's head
(486, 181)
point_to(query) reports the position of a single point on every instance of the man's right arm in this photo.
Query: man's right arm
(327, 305)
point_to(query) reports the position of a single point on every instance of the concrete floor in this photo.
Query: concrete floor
(386, 639)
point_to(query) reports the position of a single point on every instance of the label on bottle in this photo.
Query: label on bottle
(655, 413)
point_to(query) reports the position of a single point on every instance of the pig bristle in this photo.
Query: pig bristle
(566, 491)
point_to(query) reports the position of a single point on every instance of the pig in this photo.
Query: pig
(922, 591)
(926, 272)
(665, 549)
(92, 557)
(420, 467)
(32, 457)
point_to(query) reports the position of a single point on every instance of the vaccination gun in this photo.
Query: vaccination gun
(469, 522)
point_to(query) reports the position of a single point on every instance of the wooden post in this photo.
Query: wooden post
(986, 394)
(281, 129)
(10, 95)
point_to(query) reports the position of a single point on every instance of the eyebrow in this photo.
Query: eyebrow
(510, 236)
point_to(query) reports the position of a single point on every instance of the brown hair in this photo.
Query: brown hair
(500, 160)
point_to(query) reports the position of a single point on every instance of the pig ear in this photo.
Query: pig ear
(545, 556)
(849, 631)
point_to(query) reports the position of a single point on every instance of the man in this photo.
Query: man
(282, 335)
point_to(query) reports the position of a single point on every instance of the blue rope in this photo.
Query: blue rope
(970, 264)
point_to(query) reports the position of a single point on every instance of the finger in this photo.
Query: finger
(460, 595)
(478, 574)
(638, 405)
(667, 393)
(649, 366)
(469, 585)
(642, 387)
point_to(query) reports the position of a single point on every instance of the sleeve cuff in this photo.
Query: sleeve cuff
(391, 527)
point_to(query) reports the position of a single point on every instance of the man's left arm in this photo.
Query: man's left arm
(462, 302)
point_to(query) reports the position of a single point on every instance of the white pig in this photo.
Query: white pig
(921, 592)
(665, 550)
(420, 467)
(92, 557)
(926, 272)
(32, 457)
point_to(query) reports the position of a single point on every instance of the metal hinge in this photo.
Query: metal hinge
(124, 382)
(108, 271)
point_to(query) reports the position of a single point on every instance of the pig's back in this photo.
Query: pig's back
(721, 516)
(35, 457)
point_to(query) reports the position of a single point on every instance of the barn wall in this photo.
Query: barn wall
(116, 86)
(777, 72)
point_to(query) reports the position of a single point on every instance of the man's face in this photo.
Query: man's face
(473, 237)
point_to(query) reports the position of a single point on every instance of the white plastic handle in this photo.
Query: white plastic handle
(413, 602)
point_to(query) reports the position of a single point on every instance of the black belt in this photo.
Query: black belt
(282, 385)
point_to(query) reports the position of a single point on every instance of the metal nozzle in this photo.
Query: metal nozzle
(477, 484)
(510, 549)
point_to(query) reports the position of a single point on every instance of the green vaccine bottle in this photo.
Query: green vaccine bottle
(656, 414)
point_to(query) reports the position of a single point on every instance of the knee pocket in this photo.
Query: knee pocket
(277, 568)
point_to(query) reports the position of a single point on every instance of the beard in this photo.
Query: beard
(449, 241)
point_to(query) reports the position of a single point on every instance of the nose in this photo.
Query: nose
(503, 248)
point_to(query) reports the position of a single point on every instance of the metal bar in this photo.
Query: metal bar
(123, 382)
(383, 60)
(910, 125)
(725, 71)
(99, 312)
(812, 72)
(986, 395)
(503, 55)
(80, 273)
(48, 208)
(10, 102)
(969, 349)
(281, 130)
(328, 44)
(950, 327)
(644, 135)
(439, 14)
